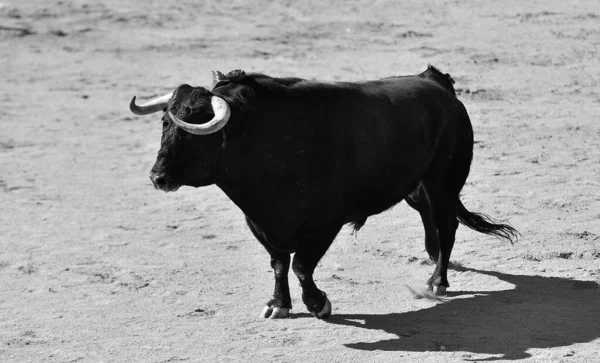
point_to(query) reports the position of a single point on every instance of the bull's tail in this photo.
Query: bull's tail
(484, 224)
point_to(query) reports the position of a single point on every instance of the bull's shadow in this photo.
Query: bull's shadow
(540, 312)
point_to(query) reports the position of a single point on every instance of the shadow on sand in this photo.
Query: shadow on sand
(540, 312)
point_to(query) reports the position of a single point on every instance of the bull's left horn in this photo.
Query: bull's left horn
(222, 113)
(152, 106)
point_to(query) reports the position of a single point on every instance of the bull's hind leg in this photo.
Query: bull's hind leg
(281, 303)
(306, 258)
(418, 201)
(443, 215)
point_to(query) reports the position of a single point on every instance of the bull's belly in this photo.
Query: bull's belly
(376, 199)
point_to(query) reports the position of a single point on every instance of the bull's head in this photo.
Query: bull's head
(189, 148)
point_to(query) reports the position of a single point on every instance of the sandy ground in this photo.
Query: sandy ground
(97, 266)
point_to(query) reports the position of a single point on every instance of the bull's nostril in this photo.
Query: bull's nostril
(158, 181)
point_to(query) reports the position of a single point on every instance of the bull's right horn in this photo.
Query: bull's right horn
(152, 106)
(222, 112)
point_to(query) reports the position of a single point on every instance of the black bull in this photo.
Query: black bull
(302, 158)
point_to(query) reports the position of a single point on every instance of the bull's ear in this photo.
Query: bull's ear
(236, 75)
(217, 77)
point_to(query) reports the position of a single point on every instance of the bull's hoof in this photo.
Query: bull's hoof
(270, 312)
(325, 312)
(438, 290)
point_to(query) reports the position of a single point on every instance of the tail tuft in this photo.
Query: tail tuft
(485, 224)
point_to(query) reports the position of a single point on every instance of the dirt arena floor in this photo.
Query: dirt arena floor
(97, 266)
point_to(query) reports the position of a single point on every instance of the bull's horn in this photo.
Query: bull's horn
(154, 105)
(222, 113)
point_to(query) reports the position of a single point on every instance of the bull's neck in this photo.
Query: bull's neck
(239, 177)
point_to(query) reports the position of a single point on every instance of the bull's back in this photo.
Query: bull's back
(394, 130)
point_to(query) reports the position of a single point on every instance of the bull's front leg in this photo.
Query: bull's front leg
(306, 259)
(281, 303)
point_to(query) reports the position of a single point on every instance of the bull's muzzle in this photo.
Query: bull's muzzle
(161, 182)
